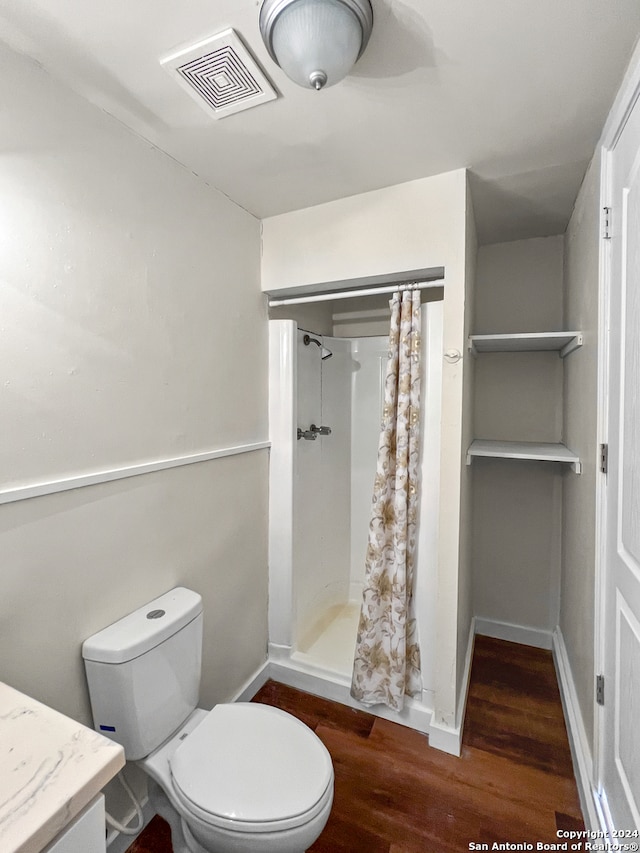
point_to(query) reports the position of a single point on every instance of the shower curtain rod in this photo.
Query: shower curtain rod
(348, 294)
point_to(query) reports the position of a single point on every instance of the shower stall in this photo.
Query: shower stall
(325, 409)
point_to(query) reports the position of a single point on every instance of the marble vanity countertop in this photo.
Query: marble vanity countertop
(51, 767)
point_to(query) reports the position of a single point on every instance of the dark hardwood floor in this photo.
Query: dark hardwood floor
(394, 794)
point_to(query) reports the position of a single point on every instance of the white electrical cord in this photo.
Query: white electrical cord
(113, 823)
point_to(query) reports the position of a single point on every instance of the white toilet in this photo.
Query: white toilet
(241, 777)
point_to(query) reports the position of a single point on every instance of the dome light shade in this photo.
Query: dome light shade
(316, 42)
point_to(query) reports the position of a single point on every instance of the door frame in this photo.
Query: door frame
(627, 97)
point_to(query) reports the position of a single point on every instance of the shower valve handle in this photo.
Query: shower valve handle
(320, 430)
(307, 434)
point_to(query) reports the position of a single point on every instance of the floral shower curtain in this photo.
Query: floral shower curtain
(387, 658)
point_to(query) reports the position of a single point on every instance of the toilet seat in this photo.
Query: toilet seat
(252, 768)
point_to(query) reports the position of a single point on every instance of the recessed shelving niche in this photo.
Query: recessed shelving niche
(562, 342)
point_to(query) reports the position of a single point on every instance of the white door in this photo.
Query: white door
(620, 769)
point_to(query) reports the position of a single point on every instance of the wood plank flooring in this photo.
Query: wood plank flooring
(394, 794)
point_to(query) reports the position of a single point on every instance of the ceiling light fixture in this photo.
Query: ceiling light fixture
(316, 42)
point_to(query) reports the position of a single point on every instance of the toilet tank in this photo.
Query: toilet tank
(143, 671)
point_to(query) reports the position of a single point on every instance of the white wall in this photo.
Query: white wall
(369, 316)
(75, 561)
(426, 572)
(517, 518)
(133, 328)
(398, 228)
(114, 259)
(580, 427)
(418, 225)
(314, 317)
(517, 511)
(465, 572)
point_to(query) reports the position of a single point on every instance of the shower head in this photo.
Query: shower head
(324, 352)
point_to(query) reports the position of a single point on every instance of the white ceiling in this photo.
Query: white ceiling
(515, 90)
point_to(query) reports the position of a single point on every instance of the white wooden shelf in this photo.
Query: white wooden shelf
(541, 452)
(563, 342)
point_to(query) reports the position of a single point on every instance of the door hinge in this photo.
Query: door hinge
(606, 223)
(604, 458)
(600, 689)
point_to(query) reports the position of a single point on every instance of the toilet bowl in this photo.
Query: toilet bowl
(241, 777)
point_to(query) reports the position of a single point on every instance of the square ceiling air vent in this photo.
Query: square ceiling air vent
(220, 74)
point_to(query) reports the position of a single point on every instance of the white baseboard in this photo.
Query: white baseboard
(449, 738)
(118, 842)
(580, 750)
(464, 693)
(310, 679)
(527, 636)
(252, 685)
(278, 653)
(445, 738)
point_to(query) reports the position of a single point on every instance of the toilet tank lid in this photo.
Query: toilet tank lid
(145, 628)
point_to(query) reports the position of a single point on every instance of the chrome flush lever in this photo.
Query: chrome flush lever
(320, 430)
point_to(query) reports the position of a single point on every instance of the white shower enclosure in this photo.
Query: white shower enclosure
(320, 498)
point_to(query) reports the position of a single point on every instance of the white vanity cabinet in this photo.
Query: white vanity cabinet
(85, 834)
(52, 772)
